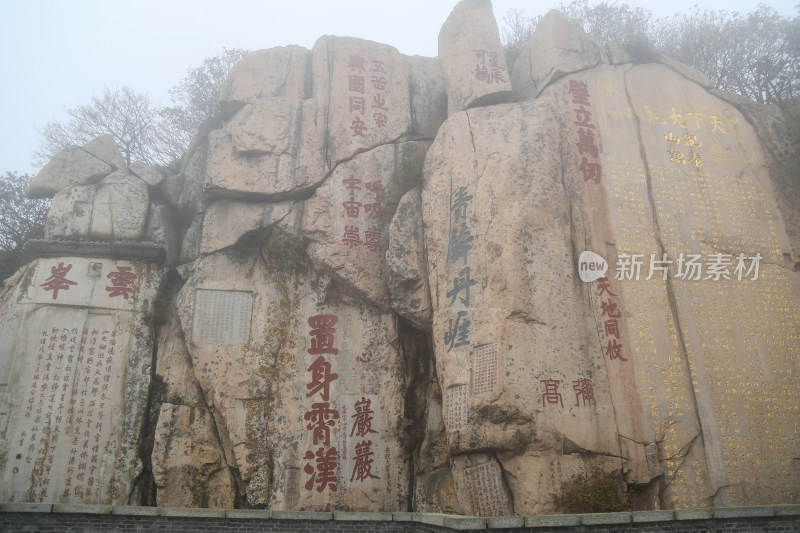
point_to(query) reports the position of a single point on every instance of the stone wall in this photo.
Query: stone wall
(90, 519)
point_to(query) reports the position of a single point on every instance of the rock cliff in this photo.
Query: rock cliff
(390, 283)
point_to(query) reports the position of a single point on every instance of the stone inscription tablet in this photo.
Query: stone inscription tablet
(485, 490)
(222, 317)
(456, 408)
(484, 369)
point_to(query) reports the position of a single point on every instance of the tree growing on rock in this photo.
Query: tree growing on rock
(21, 219)
(122, 112)
(756, 55)
(143, 132)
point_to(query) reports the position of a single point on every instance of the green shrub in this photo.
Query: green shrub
(597, 492)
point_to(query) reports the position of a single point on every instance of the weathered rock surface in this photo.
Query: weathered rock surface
(407, 271)
(294, 372)
(556, 48)
(70, 166)
(353, 315)
(115, 209)
(471, 56)
(76, 361)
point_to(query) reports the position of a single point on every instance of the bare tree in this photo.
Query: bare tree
(755, 54)
(156, 136)
(122, 112)
(195, 97)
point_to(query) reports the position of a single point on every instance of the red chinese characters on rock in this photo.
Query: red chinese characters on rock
(611, 316)
(366, 83)
(364, 459)
(587, 145)
(121, 282)
(322, 462)
(488, 68)
(372, 212)
(58, 279)
(583, 388)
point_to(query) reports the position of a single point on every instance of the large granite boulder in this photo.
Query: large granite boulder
(360, 303)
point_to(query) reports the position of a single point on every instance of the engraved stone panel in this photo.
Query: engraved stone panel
(485, 489)
(456, 409)
(222, 317)
(484, 369)
(61, 439)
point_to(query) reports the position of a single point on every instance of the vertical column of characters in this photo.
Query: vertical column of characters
(59, 369)
(40, 429)
(591, 171)
(458, 247)
(324, 461)
(362, 441)
(359, 91)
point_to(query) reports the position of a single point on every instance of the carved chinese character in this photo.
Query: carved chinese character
(356, 63)
(321, 378)
(358, 104)
(457, 333)
(379, 82)
(583, 117)
(551, 394)
(677, 118)
(381, 119)
(579, 91)
(322, 334)
(351, 237)
(379, 102)
(363, 467)
(121, 280)
(611, 327)
(586, 143)
(321, 419)
(352, 208)
(591, 171)
(324, 476)
(584, 390)
(459, 244)
(356, 84)
(462, 282)
(609, 308)
(373, 210)
(482, 74)
(363, 418)
(696, 159)
(378, 66)
(58, 279)
(461, 201)
(614, 350)
(359, 127)
(372, 239)
(376, 188)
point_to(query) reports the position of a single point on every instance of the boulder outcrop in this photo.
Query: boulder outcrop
(392, 283)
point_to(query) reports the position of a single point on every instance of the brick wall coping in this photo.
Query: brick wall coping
(453, 522)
